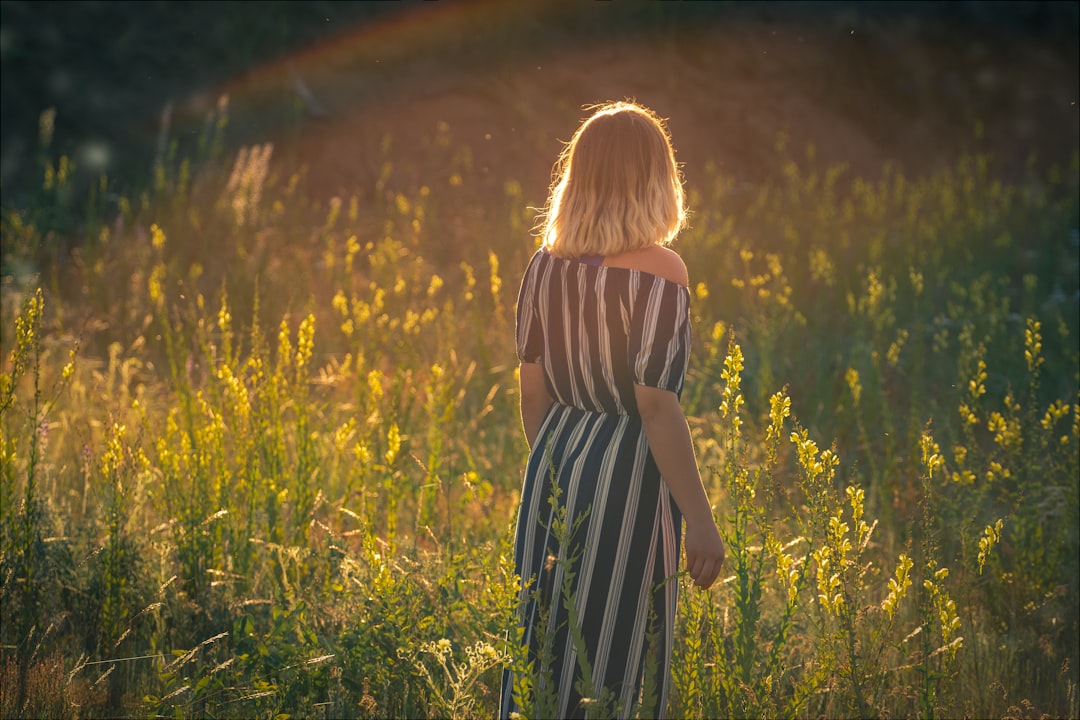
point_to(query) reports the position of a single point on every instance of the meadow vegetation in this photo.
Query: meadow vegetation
(260, 452)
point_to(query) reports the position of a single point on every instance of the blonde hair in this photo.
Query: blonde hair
(616, 186)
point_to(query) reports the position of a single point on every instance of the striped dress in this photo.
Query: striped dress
(598, 331)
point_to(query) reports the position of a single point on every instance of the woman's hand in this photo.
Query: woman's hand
(704, 552)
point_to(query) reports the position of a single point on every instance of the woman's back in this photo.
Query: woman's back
(654, 259)
(599, 330)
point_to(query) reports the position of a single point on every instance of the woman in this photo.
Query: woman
(603, 335)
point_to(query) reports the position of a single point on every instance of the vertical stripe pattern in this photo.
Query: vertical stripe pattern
(598, 331)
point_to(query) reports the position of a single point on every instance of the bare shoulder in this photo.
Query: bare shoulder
(657, 260)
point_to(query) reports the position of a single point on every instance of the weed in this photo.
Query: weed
(274, 475)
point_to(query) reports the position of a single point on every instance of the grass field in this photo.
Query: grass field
(260, 451)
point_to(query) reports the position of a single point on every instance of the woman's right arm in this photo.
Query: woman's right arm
(672, 449)
(535, 400)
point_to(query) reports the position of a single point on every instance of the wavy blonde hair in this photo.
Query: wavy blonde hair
(616, 186)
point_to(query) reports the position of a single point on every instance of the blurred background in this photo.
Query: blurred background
(336, 85)
(196, 481)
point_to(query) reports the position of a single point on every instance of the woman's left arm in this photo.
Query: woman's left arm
(535, 400)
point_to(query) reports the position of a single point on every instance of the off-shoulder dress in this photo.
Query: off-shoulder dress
(598, 331)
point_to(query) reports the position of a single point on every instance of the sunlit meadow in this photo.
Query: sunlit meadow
(260, 452)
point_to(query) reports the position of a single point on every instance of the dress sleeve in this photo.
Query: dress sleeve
(660, 333)
(529, 334)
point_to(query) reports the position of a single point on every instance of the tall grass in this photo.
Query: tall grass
(261, 454)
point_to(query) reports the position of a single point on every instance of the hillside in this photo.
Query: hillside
(331, 84)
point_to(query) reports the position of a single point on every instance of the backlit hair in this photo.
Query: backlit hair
(616, 186)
